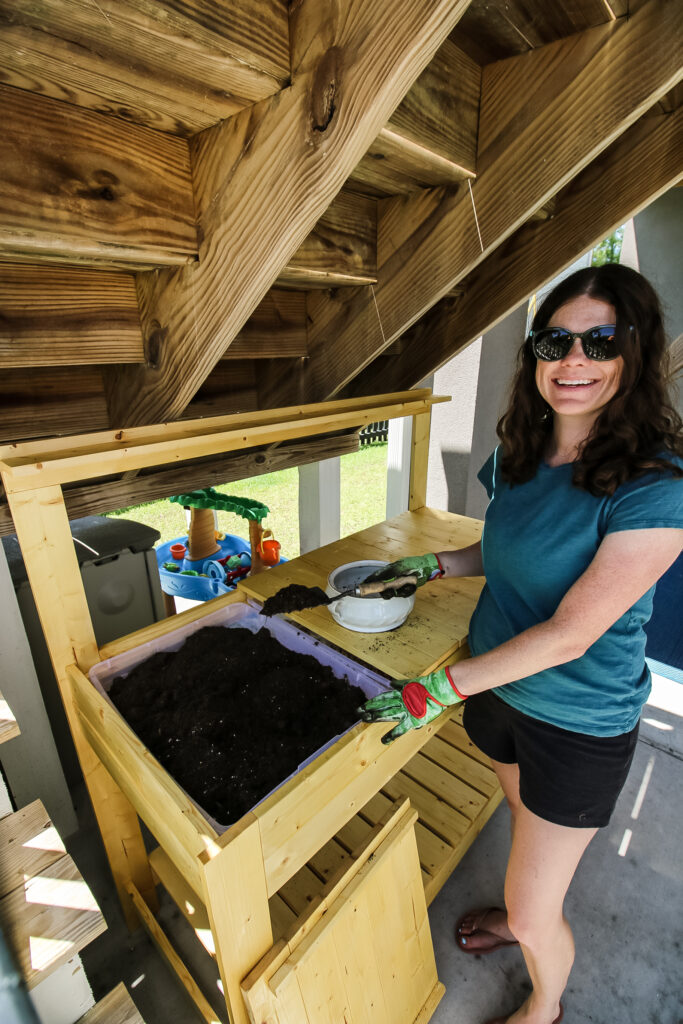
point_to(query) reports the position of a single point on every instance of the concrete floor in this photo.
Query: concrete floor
(625, 906)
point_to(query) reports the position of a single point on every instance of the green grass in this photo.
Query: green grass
(363, 499)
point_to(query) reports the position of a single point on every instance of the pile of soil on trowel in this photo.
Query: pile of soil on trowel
(232, 713)
(294, 598)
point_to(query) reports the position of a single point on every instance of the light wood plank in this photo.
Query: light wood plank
(451, 756)
(436, 629)
(184, 896)
(160, 940)
(29, 845)
(111, 495)
(252, 181)
(116, 1007)
(234, 889)
(124, 193)
(118, 452)
(45, 538)
(441, 239)
(419, 461)
(9, 727)
(53, 317)
(445, 785)
(48, 918)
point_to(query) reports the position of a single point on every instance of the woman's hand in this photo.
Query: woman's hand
(412, 702)
(422, 568)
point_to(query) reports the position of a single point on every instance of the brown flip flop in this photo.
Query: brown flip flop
(504, 1020)
(479, 916)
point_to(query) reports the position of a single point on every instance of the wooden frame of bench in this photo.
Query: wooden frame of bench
(234, 874)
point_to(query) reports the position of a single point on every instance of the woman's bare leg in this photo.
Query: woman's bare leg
(542, 863)
(495, 922)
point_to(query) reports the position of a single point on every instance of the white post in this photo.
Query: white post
(30, 761)
(319, 504)
(398, 465)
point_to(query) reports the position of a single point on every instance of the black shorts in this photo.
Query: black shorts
(565, 777)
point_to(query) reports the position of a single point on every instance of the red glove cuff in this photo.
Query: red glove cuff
(442, 571)
(462, 696)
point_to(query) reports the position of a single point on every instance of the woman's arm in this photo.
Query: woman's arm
(625, 566)
(463, 561)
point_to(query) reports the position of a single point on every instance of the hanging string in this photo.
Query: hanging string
(476, 219)
(103, 13)
(384, 340)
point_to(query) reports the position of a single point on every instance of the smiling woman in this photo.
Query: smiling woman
(576, 387)
(585, 515)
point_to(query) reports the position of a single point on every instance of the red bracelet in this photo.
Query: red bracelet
(462, 696)
(442, 571)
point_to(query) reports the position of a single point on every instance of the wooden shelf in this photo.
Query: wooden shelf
(47, 911)
(116, 1008)
(8, 723)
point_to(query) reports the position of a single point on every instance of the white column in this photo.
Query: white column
(398, 465)
(30, 761)
(319, 504)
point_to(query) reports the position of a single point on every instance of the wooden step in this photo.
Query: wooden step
(116, 1008)
(8, 723)
(451, 785)
(47, 911)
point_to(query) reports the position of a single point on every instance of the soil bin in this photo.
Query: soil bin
(234, 704)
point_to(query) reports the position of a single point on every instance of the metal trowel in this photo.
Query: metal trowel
(295, 598)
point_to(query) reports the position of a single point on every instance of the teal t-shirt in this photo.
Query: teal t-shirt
(538, 538)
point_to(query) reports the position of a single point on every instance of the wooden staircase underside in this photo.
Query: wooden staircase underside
(209, 208)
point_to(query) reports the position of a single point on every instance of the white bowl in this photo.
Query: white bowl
(364, 614)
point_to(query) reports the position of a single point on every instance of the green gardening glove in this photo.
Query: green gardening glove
(412, 702)
(423, 567)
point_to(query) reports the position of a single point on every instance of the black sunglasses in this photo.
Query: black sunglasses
(553, 343)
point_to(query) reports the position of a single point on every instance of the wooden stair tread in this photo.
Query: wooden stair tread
(8, 723)
(47, 911)
(116, 1008)
(447, 825)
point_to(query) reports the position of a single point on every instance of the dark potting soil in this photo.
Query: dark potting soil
(232, 713)
(294, 598)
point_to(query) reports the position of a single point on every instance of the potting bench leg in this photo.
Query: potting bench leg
(236, 897)
(419, 459)
(47, 546)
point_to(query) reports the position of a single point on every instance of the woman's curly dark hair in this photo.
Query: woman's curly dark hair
(638, 427)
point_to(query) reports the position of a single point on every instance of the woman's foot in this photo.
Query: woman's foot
(521, 1017)
(483, 931)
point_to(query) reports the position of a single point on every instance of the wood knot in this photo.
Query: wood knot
(118, 436)
(154, 344)
(324, 92)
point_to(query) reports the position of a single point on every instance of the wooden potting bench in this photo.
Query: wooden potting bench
(314, 903)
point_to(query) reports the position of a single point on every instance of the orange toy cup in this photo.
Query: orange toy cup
(178, 551)
(269, 550)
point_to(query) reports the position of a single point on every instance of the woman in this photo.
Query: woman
(585, 515)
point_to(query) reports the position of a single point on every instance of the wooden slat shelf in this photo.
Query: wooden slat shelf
(47, 911)
(116, 1008)
(8, 723)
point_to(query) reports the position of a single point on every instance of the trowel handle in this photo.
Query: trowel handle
(365, 589)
